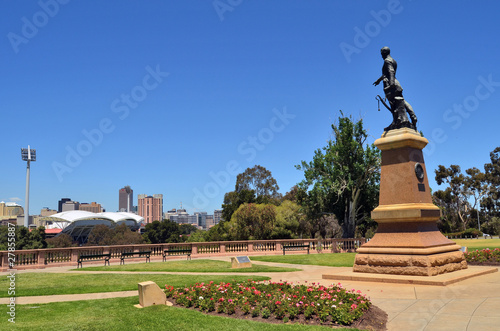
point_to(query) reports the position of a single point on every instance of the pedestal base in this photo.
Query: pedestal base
(416, 265)
(409, 248)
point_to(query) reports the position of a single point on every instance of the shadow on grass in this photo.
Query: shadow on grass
(189, 266)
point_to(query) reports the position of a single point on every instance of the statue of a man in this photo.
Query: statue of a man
(394, 94)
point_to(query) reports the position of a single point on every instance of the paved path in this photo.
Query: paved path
(473, 304)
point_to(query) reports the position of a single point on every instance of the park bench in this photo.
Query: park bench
(93, 257)
(177, 251)
(128, 255)
(294, 248)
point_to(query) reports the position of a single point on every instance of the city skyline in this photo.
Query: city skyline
(177, 98)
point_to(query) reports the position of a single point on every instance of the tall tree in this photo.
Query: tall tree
(343, 176)
(492, 177)
(254, 185)
(253, 221)
(457, 192)
(261, 181)
(165, 231)
(233, 200)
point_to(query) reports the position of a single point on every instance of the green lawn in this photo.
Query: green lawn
(33, 284)
(324, 259)
(189, 266)
(120, 314)
(475, 244)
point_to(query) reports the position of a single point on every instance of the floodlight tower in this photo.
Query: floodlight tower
(28, 155)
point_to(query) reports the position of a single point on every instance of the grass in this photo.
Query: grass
(41, 283)
(324, 259)
(475, 244)
(120, 314)
(189, 266)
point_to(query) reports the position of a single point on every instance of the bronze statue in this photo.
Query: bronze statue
(394, 94)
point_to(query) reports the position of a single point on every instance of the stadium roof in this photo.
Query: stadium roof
(80, 215)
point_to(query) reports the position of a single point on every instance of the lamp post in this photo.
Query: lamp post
(28, 155)
(478, 224)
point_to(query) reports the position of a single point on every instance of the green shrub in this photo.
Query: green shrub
(266, 313)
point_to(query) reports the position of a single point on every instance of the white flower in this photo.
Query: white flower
(201, 298)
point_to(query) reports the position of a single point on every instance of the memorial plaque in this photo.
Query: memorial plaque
(240, 262)
(243, 259)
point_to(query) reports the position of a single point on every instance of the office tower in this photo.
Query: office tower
(61, 203)
(70, 205)
(217, 216)
(126, 199)
(94, 207)
(150, 207)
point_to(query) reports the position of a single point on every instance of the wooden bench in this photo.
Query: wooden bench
(177, 251)
(128, 255)
(93, 257)
(294, 248)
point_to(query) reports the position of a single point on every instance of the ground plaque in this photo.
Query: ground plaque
(241, 262)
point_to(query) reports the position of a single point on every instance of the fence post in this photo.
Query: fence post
(74, 254)
(278, 246)
(41, 258)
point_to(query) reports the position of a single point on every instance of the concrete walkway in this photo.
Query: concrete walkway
(472, 304)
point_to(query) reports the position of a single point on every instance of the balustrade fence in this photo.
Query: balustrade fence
(55, 257)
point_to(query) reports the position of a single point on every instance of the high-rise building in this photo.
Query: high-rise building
(94, 207)
(70, 205)
(126, 199)
(45, 212)
(217, 216)
(61, 203)
(10, 210)
(150, 207)
(209, 222)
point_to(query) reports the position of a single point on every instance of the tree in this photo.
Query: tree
(292, 194)
(122, 235)
(60, 241)
(25, 239)
(261, 181)
(461, 190)
(447, 223)
(101, 235)
(254, 185)
(233, 200)
(343, 177)
(165, 231)
(492, 177)
(253, 222)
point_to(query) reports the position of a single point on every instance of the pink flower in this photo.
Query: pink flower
(354, 306)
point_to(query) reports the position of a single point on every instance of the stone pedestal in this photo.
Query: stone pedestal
(407, 241)
(150, 294)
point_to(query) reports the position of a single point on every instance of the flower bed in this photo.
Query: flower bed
(283, 301)
(484, 256)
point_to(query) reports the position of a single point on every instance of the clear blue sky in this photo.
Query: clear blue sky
(165, 96)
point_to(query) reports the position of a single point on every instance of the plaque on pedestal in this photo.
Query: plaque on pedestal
(240, 262)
